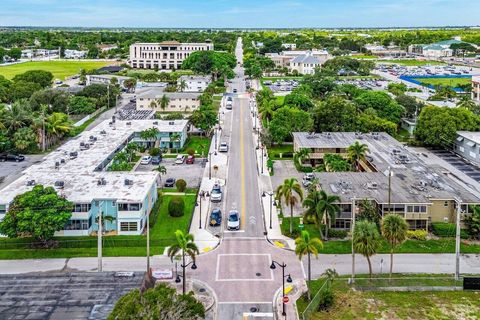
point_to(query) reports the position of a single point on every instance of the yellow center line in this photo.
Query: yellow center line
(242, 167)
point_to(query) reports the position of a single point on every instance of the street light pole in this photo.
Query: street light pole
(210, 166)
(289, 280)
(99, 236)
(201, 194)
(184, 266)
(457, 241)
(353, 249)
(148, 244)
(261, 155)
(271, 203)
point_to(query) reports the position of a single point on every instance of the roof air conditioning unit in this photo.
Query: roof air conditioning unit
(59, 184)
(31, 183)
(171, 123)
(155, 123)
(372, 185)
(102, 182)
(103, 132)
(128, 123)
(128, 182)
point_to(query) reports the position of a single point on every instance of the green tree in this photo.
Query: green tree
(40, 77)
(356, 153)
(291, 192)
(163, 102)
(130, 84)
(81, 105)
(210, 62)
(366, 240)
(175, 138)
(394, 229)
(382, 103)
(182, 85)
(184, 245)
(335, 114)
(38, 213)
(472, 223)
(204, 118)
(22, 90)
(25, 139)
(313, 209)
(162, 170)
(287, 120)
(306, 245)
(159, 302)
(15, 53)
(300, 101)
(328, 206)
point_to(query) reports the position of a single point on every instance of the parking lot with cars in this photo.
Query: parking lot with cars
(191, 173)
(426, 70)
(368, 84)
(285, 85)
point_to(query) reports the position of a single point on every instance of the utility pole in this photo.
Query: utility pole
(389, 189)
(99, 236)
(353, 228)
(457, 241)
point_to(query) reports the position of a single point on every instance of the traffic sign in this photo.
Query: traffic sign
(286, 299)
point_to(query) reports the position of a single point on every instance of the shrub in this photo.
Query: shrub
(326, 299)
(447, 230)
(336, 233)
(190, 152)
(417, 234)
(181, 185)
(301, 168)
(176, 207)
(154, 152)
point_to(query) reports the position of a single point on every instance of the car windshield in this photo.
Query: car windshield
(215, 214)
(216, 190)
(233, 217)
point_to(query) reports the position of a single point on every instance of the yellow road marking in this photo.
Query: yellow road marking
(206, 249)
(242, 168)
(288, 289)
(279, 244)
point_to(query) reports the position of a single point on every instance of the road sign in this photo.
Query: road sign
(286, 299)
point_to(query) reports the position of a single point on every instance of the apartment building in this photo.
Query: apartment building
(476, 88)
(106, 79)
(305, 61)
(167, 55)
(78, 172)
(419, 192)
(467, 146)
(194, 83)
(150, 99)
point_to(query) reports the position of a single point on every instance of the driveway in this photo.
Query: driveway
(10, 171)
(285, 169)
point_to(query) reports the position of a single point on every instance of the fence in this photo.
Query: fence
(108, 242)
(312, 307)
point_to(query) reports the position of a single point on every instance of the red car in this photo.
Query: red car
(190, 160)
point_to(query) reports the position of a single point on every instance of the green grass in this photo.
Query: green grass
(161, 234)
(450, 82)
(60, 69)
(444, 245)
(279, 100)
(412, 63)
(274, 151)
(364, 56)
(350, 304)
(216, 102)
(195, 143)
(188, 190)
(280, 78)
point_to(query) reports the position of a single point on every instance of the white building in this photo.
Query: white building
(284, 59)
(105, 79)
(39, 53)
(150, 99)
(289, 46)
(75, 54)
(167, 55)
(194, 83)
(476, 88)
(305, 64)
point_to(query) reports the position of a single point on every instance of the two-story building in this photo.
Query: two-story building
(193, 83)
(151, 99)
(476, 88)
(467, 146)
(106, 79)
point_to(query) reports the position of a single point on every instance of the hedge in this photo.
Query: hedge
(447, 230)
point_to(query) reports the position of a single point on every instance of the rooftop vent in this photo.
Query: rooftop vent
(103, 132)
(102, 182)
(128, 182)
(93, 138)
(73, 154)
(423, 183)
(358, 135)
(372, 185)
(113, 119)
(31, 183)
(171, 123)
(375, 135)
(155, 123)
(59, 184)
(328, 135)
(57, 165)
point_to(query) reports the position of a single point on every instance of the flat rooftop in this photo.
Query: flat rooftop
(470, 135)
(158, 92)
(413, 181)
(80, 175)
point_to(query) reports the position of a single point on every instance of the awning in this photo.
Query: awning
(459, 139)
(471, 144)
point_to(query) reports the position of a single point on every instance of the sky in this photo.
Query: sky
(239, 14)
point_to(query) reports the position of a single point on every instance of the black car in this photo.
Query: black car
(170, 183)
(156, 160)
(215, 217)
(12, 157)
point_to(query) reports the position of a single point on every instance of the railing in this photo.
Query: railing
(313, 305)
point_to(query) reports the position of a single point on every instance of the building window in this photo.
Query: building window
(417, 209)
(129, 206)
(82, 207)
(78, 224)
(3, 209)
(128, 226)
(341, 224)
(445, 204)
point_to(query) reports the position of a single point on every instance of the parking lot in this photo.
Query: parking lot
(9, 171)
(454, 160)
(56, 296)
(286, 85)
(427, 70)
(369, 84)
(191, 173)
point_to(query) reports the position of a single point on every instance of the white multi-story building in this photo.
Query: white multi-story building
(167, 55)
(194, 83)
(75, 54)
(285, 60)
(476, 88)
(305, 63)
(150, 99)
(106, 79)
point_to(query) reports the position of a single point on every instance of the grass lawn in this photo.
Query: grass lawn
(275, 150)
(280, 78)
(188, 190)
(451, 82)
(350, 304)
(60, 69)
(195, 143)
(162, 235)
(364, 56)
(443, 245)
(412, 63)
(216, 102)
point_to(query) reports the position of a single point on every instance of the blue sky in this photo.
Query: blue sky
(234, 13)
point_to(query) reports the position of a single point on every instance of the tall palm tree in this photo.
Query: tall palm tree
(163, 102)
(311, 203)
(306, 245)
(153, 105)
(356, 152)
(267, 110)
(17, 116)
(130, 149)
(185, 245)
(366, 240)
(182, 85)
(162, 170)
(291, 192)
(56, 126)
(394, 229)
(328, 204)
(302, 155)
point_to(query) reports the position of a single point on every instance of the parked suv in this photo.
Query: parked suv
(12, 157)
(216, 194)
(308, 179)
(180, 159)
(215, 217)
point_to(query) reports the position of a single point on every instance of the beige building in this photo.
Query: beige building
(476, 88)
(419, 192)
(150, 99)
(304, 62)
(167, 55)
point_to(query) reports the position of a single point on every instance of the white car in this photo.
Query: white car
(233, 222)
(216, 194)
(146, 160)
(223, 147)
(180, 159)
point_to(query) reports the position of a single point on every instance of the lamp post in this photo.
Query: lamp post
(271, 204)
(201, 195)
(261, 155)
(184, 266)
(289, 280)
(210, 166)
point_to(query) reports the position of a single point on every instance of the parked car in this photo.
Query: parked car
(180, 159)
(223, 147)
(12, 157)
(146, 160)
(233, 222)
(190, 159)
(229, 105)
(235, 90)
(170, 183)
(156, 160)
(215, 217)
(216, 194)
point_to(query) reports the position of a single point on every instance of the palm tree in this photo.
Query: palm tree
(329, 207)
(267, 109)
(186, 246)
(153, 105)
(182, 85)
(311, 203)
(130, 84)
(357, 152)
(56, 126)
(163, 102)
(330, 275)
(287, 192)
(162, 170)
(17, 116)
(130, 149)
(305, 245)
(302, 155)
(175, 137)
(394, 229)
(366, 240)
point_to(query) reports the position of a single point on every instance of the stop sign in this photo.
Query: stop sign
(285, 299)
